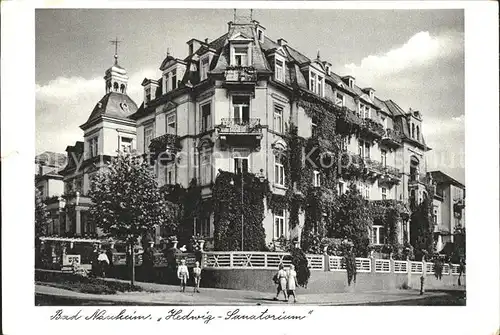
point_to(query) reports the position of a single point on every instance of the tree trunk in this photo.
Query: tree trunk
(132, 277)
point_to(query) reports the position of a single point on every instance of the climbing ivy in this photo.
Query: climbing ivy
(228, 208)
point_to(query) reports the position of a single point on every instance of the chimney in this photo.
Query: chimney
(282, 42)
(207, 40)
(229, 25)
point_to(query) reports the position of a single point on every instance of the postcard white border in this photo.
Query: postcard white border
(480, 316)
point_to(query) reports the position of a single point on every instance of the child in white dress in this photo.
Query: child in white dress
(292, 282)
(197, 277)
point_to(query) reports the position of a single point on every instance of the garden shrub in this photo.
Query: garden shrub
(299, 260)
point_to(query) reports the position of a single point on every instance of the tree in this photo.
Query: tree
(421, 229)
(353, 220)
(42, 220)
(127, 203)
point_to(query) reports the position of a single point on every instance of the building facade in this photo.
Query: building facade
(449, 209)
(229, 105)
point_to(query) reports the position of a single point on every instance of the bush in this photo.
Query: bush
(299, 260)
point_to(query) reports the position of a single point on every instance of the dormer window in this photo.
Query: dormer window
(173, 76)
(279, 70)
(204, 67)
(316, 83)
(147, 93)
(364, 111)
(339, 99)
(240, 56)
(260, 35)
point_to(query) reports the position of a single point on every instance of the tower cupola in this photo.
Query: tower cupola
(116, 78)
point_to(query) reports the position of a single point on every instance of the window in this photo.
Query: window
(316, 179)
(366, 193)
(241, 56)
(364, 149)
(378, 235)
(279, 224)
(206, 117)
(174, 79)
(260, 35)
(312, 82)
(202, 226)
(279, 70)
(206, 167)
(171, 124)
(412, 130)
(384, 121)
(341, 188)
(339, 99)
(279, 170)
(148, 94)
(418, 133)
(170, 174)
(93, 146)
(366, 112)
(204, 68)
(79, 184)
(278, 118)
(316, 83)
(314, 126)
(148, 136)
(361, 110)
(240, 165)
(320, 86)
(125, 144)
(241, 109)
(344, 143)
(384, 193)
(383, 157)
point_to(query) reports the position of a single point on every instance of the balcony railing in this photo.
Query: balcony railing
(372, 127)
(240, 126)
(347, 120)
(392, 138)
(240, 74)
(420, 178)
(387, 173)
(167, 143)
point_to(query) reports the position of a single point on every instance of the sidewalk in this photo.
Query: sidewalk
(170, 295)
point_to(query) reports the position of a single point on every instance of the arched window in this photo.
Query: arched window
(418, 133)
(414, 168)
(122, 90)
(412, 130)
(115, 87)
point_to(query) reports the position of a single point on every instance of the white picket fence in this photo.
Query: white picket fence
(382, 265)
(272, 260)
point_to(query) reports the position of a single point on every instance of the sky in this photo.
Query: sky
(414, 57)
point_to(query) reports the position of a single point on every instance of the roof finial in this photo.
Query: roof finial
(116, 42)
(251, 15)
(234, 15)
(168, 52)
(318, 57)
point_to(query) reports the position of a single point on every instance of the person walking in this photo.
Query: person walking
(292, 282)
(281, 278)
(183, 274)
(103, 261)
(197, 277)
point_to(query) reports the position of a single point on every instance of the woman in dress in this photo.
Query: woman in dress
(282, 282)
(292, 282)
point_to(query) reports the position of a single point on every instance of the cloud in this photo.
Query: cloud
(63, 104)
(421, 49)
(439, 127)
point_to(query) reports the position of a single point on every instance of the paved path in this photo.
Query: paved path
(170, 295)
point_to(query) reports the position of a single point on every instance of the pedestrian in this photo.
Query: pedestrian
(103, 262)
(197, 277)
(95, 262)
(281, 279)
(292, 282)
(183, 274)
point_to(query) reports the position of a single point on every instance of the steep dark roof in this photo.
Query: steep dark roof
(394, 108)
(113, 104)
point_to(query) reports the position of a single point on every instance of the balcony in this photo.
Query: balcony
(458, 205)
(416, 179)
(240, 133)
(168, 144)
(240, 78)
(392, 138)
(351, 165)
(372, 128)
(347, 121)
(385, 174)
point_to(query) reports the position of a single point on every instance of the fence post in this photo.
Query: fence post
(230, 259)
(391, 263)
(326, 259)
(265, 260)
(372, 262)
(408, 273)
